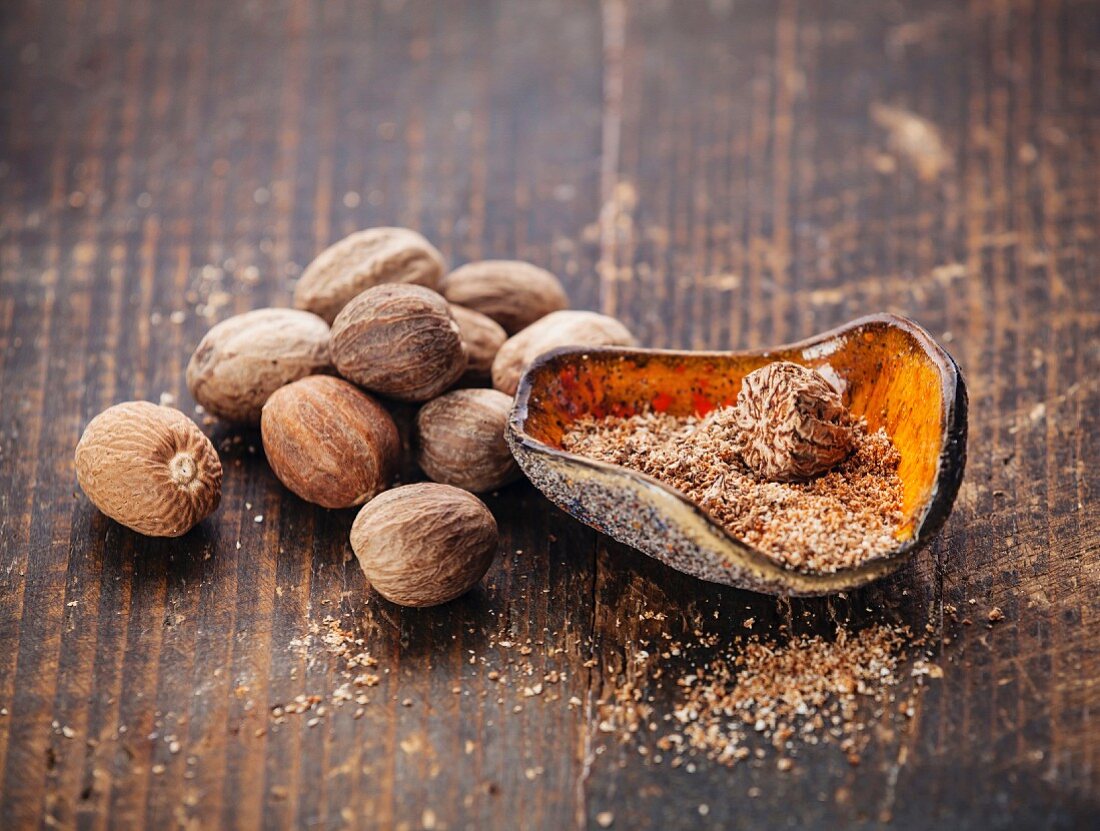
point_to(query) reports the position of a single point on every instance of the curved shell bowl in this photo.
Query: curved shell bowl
(889, 370)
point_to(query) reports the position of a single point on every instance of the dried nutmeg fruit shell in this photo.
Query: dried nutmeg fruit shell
(149, 468)
(329, 442)
(400, 341)
(563, 328)
(362, 260)
(424, 544)
(791, 423)
(461, 440)
(245, 358)
(483, 337)
(513, 293)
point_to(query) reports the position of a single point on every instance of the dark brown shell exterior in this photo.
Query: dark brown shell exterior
(149, 468)
(399, 341)
(424, 544)
(329, 442)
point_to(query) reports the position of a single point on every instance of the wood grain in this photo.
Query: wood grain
(717, 174)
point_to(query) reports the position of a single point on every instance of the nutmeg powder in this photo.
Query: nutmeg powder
(830, 522)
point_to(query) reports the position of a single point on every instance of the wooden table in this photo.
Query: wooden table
(718, 174)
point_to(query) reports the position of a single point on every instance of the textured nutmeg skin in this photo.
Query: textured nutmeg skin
(791, 423)
(513, 293)
(365, 259)
(243, 359)
(564, 328)
(149, 468)
(330, 443)
(424, 544)
(461, 440)
(483, 337)
(399, 341)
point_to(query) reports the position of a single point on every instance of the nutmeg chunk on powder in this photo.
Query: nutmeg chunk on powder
(791, 423)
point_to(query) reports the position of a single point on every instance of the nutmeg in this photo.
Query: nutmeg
(461, 440)
(424, 544)
(513, 293)
(330, 443)
(400, 341)
(362, 260)
(245, 358)
(556, 329)
(149, 468)
(791, 423)
(483, 337)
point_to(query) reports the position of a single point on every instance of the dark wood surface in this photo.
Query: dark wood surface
(719, 174)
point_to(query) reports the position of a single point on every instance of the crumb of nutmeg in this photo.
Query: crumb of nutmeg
(355, 675)
(521, 669)
(831, 522)
(757, 693)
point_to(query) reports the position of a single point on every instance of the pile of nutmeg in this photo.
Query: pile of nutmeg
(376, 319)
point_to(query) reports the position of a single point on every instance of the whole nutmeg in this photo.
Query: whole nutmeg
(330, 443)
(424, 544)
(149, 468)
(513, 293)
(483, 337)
(791, 423)
(362, 260)
(461, 440)
(245, 358)
(399, 341)
(554, 330)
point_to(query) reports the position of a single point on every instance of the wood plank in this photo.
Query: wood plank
(719, 175)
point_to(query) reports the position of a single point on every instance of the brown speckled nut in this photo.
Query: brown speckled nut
(399, 341)
(330, 443)
(555, 330)
(424, 544)
(245, 358)
(461, 440)
(364, 259)
(483, 337)
(513, 293)
(149, 468)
